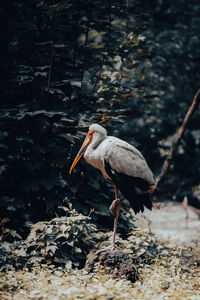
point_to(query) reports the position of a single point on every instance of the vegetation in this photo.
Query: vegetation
(167, 273)
(131, 66)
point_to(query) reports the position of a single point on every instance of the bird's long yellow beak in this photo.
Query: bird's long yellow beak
(86, 142)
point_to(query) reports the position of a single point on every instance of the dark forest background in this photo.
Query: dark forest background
(132, 66)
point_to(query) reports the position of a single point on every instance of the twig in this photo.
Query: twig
(86, 41)
(98, 77)
(88, 25)
(50, 65)
(62, 83)
(178, 137)
(110, 12)
(76, 29)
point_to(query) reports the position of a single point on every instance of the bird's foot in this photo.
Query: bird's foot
(115, 247)
(150, 190)
(111, 247)
(114, 205)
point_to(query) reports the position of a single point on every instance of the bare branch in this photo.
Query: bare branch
(50, 65)
(178, 137)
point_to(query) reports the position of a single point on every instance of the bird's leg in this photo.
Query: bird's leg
(115, 224)
(114, 204)
(115, 209)
(116, 192)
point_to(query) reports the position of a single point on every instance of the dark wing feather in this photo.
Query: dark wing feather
(126, 159)
(127, 184)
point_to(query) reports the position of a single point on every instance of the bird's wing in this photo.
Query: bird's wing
(126, 159)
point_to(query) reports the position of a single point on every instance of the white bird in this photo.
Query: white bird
(121, 163)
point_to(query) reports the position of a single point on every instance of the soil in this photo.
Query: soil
(170, 223)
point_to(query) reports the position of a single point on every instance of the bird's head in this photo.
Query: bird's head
(96, 133)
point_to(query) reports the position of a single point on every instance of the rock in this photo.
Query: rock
(114, 262)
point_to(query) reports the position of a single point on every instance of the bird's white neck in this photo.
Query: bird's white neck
(96, 140)
(93, 154)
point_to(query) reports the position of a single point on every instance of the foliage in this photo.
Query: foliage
(68, 64)
(66, 241)
(173, 274)
(62, 241)
(129, 65)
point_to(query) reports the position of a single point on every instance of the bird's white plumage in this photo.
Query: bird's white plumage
(122, 157)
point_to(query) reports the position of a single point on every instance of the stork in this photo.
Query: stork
(121, 163)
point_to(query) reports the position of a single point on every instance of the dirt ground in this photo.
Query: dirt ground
(169, 222)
